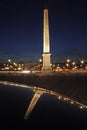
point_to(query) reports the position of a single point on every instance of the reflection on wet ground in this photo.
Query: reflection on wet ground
(42, 90)
(47, 106)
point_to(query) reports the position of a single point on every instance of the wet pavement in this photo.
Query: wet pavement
(52, 111)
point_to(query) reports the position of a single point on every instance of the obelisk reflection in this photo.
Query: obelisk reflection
(33, 102)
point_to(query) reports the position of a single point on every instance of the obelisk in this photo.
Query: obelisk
(46, 43)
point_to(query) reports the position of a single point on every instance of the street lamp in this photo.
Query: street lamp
(40, 60)
(68, 60)
(9, 60)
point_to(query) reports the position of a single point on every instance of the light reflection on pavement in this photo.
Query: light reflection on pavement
(39, 92)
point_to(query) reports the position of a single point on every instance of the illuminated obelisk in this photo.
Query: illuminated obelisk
(46, 43)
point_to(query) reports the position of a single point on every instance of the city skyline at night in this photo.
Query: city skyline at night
(21, 30)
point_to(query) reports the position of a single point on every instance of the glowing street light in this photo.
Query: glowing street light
(68, 60)
(73, 63)
(9, 60)
(67, 64)
(82, 61)
(14, 64)
(40, 60)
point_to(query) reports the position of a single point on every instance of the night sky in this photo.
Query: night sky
(21, 29)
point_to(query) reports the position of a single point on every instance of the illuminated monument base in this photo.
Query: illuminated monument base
(46, 62)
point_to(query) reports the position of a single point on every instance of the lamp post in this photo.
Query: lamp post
(9, 61)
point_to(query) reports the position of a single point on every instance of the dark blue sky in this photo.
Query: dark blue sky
(21, 29)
